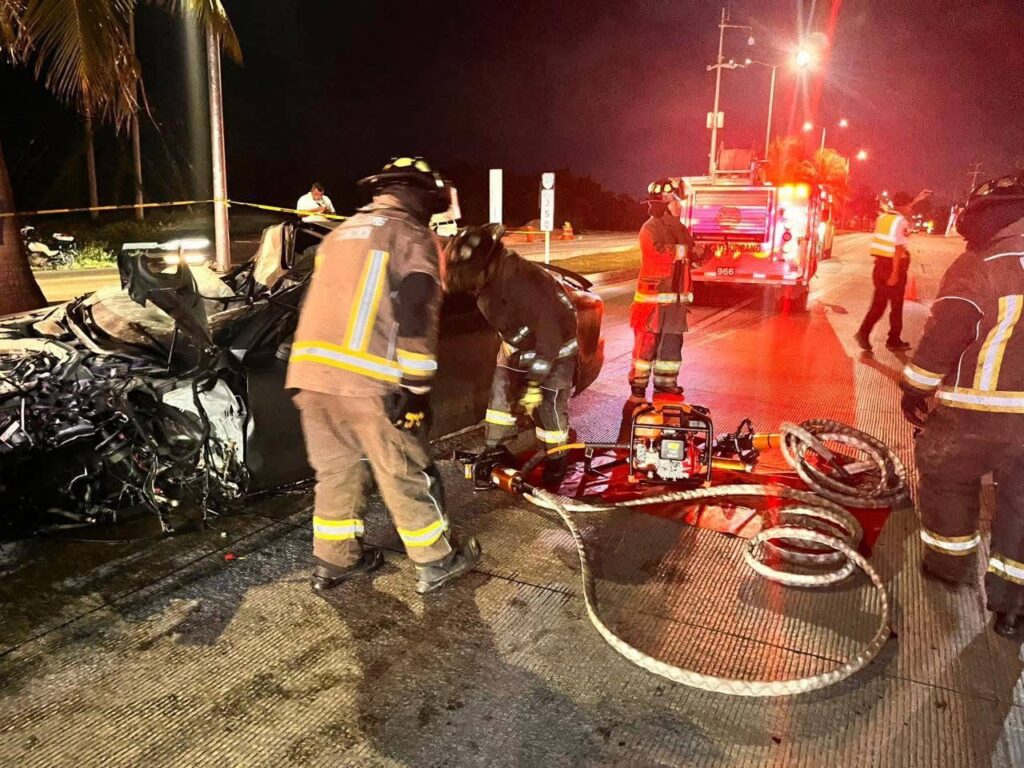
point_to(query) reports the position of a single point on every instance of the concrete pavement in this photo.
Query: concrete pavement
(162, 652)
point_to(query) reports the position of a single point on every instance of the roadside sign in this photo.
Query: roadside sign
(547, 202)
(495, 197)
(721, 119)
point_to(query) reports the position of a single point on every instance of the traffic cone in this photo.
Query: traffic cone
(910, 294)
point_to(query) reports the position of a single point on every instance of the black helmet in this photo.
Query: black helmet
(414, 171)
(469, 256)
(992, 205)
(661, 191)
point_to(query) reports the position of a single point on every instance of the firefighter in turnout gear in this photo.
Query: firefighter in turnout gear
(971, 360)
(663, 291)
(363, 358)
(536, 321)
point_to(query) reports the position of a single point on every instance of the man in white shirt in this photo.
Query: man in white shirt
(315, 202)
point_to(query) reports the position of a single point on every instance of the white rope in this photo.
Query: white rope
(818, 532)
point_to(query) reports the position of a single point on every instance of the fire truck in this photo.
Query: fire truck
(757, 234)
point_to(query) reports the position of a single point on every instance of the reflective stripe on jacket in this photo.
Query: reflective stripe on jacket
(972, 352)
(891, 229)
(347, 341)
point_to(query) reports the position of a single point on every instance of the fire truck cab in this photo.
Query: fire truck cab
(757, 234)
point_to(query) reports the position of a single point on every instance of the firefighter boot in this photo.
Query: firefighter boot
(326, 576)
(431, 576)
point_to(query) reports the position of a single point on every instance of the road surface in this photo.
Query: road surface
(165, 653)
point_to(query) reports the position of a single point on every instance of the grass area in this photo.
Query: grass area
(95, 255)
(602, 262)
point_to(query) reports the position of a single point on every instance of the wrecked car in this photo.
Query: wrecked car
(166, 395)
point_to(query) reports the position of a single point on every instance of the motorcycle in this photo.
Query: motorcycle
(58, 251)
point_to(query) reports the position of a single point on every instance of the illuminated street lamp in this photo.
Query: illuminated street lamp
(809, 126)
(862, 155)
(803, 58)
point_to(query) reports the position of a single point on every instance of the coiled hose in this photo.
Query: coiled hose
(817, 530)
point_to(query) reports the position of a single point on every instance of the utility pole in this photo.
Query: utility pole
(974, 174)
(713, 155)
(771, 104)
(222, 234)
(718, 66)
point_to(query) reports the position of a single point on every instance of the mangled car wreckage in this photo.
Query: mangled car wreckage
(167, 395)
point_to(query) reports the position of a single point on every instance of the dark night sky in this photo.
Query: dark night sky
(615, 89)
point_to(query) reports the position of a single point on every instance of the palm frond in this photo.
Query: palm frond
(209, 14)
(13, 40)
(79, 49)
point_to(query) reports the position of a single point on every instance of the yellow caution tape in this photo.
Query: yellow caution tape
(87, 209)
(332, 216)
(132, 206)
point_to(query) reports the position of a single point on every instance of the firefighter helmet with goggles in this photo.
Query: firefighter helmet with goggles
(991, 206)
(469, 257)
(415, 173)
(661, 191)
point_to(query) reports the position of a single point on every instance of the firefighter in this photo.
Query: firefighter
(889, 276)
(658, 315)
(971, 359)
(363, 358)
(535, 319)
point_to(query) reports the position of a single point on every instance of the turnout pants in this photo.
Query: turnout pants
(660, 353)
(884, 296)
(954, 452)
(551, 417)
(347, 439)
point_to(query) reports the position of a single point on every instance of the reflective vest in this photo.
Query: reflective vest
(891, 229)
(348, 339)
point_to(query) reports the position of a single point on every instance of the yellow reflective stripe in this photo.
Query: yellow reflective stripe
(978, 400)
(1006, 568)
(502, 418)
(416, 364)
(661, 298)
(423, 537)
(337, 356)
(337, 530)
(921, 378)
(367, 300)
(667, 366)
(951, 545)
(990, 359)
(552, 436)
(642, 365)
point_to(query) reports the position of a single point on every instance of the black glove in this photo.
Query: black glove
(408, 410)
(915, 407)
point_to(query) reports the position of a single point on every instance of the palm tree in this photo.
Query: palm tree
(789, 163)
(81, 51)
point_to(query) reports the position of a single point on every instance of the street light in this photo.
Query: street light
(862, 155)
(809, 126)
(718, 66)
(803, 58)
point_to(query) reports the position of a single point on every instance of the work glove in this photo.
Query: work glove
(408, 410)
(531, 398)
(915, 407)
